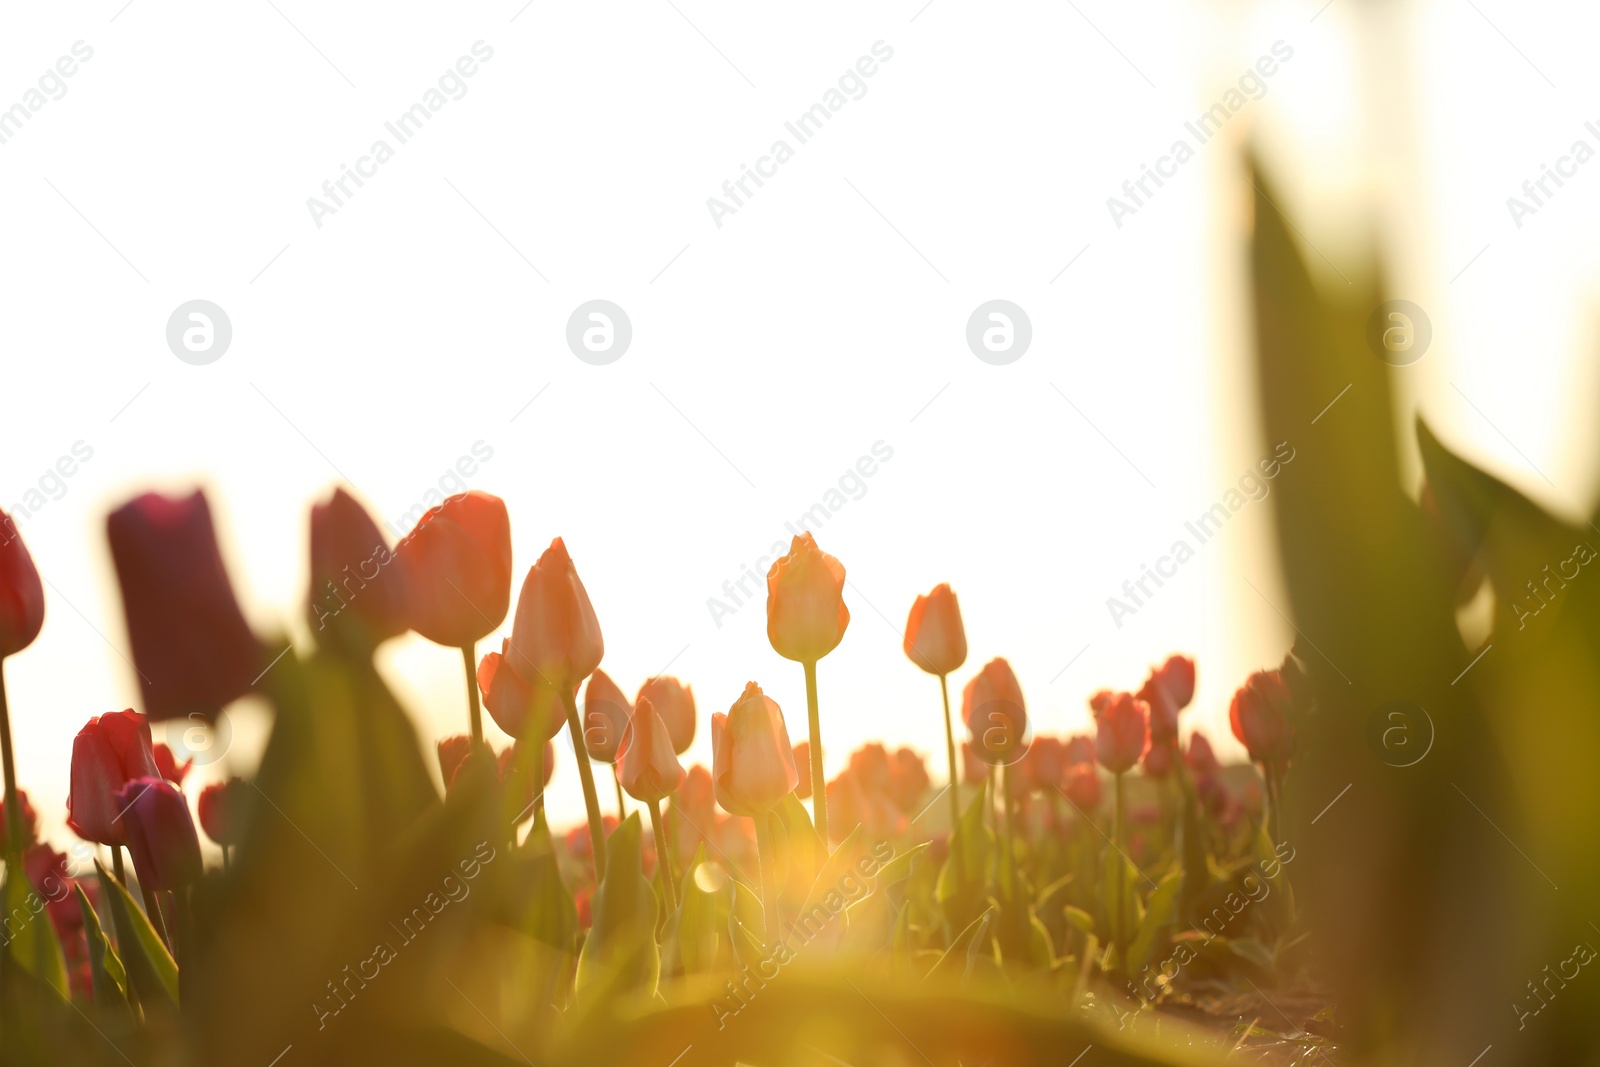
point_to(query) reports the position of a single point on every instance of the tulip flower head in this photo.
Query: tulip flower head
(605, 716)
(1123, 732)
(1168, 690)
(359, 595)
(1259, 715)
(191, 645)
(556, 638)
(753, 764)
(908, 780)
(1200, 757)
(1083, 786)
(650, 770)
(219, 806)
(996, 717)
(935, 639)
(109, 751)
(806, 616)
(166, 850)
(167, 763)
(521, 709)
(674, 702)
(21, 592)
(457, 562)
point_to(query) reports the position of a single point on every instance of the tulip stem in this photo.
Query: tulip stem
(950, 750)
(474, 707)
(1274, 793)
(1010, 868)
(765, 859)
(622, 804)
(591, 800)
(152, 908)
(116, 865)
(669, 888)
(13, 806)
(819, 782)
(1118, 933)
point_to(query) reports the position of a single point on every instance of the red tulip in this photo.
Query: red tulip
(1100, 699)
(167, 764)
(649, 768)
(606, 713)
(359, 594)
(908, 780)
(1259, 715)
(1123, 732)
(753, 765)
(1078, 749)
(166, 850)
(556, 639)
(47, 871)
(973, 769)
(1041, 768)
(806, 616)
(515, 705)
(1200, 757)
(802, 767)
(219, 810)
(852, 802)
(457, 561)
(992, 708)
(935, 639)
(870, 765)
(109, 751)
(21, 592)
(1168, 691)
(191, 645)
(674, 702)
(1083, 786)
(1158, 761)
(30, 824)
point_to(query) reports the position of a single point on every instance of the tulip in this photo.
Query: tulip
(1261, 716)
(1123, 732)
(802, 767)
(457, 566)
(1079, 749)
(1041, 767)
(695, 805)
(191, 645)
(1157, 761)
(359, 594)
(650, 771)
(219, 812)
(27, 831)
(973, 768)
(752, 771)
(908, 780)
(166, 850)
(168, 764)
(606, 714)
(1200, 756)
(806, 619)
(1168, 690)
(47, 871)
(937, 642)
(109, 751)
(870, 765)
(674, 702)
(21, 616)
(524, 711)
(994, 711)
(1083, 786)
(521, 765)
(852, 803)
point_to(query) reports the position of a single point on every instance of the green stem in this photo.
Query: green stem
(591, 801)
(116, 865)
(474, 708)
(1009, 853)
(622, 805)
(950, 750)
(1274, 794)
(769, 889)
(1118, 933)
(819, 784)
(152, 908)
(669, 878)
(13, 806)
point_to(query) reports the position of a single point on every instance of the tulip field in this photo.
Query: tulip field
(1118, 896)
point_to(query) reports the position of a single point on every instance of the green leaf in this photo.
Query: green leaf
(547, 912)
(109, 977)
(620, 954)
(150, 966)
(1112, 864)
(961, 889)
(966, 951)
(1161, 911)
(699, 940)
(33, 946)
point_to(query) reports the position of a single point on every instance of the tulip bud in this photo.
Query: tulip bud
(359, 593)
(753, 764)
(806, 616)
(457, 562)
(191, 645)
(606, 713)
(219, 810)
(1157, 761)
(908, 780)
(992, 708)
(166, 850)
(650, 770)
(21, 592)
(109, 751)
(1259, 715)
(1200, 757)
(1168, 691)
(870, 765)
(935, 639)
(1083, 786)
(168, 764)
(674, 702)
(556, 639)
(1079, 749)
(520, 709)
(1123, 732)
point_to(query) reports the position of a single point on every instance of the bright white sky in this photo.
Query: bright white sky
(768, 355)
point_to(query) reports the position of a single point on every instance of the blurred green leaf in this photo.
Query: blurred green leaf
(32, 942)
(1161, 911)
(106, 972)
(620, 954)
(150, 967)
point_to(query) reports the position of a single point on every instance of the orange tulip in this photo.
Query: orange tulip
(752, 765)
(458, 564)
(650, 768)
(806, 616)
(935, 639)
(606, 714)
(674, 702)
(1123, 732)
(21, 592)
(993, 709)
(520, 709)
(556, 638)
